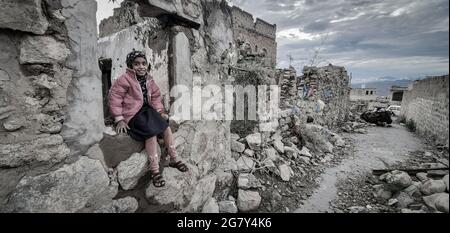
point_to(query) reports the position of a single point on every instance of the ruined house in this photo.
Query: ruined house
(57, 153)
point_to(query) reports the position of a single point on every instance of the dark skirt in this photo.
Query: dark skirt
(146, 124)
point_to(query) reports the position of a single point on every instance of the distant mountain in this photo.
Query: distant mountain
(385, 85)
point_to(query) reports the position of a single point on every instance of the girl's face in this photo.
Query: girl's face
(140, 66)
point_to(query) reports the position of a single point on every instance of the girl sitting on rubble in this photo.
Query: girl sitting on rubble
(135, 103)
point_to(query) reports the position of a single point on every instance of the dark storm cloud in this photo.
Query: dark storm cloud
(400, 38)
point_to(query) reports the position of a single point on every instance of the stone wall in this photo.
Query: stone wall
(50, 106)
(324, 95)
(426, 107)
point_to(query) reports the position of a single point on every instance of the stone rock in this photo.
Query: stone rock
(272, 154)
(382, 192)
(131, 170)
(445, 179)
(32, 18)
(317, 136)
(14, 124)
(248, 181)
(413, 190)
(290, 152)
(249, 153)
(409, 211)
(276, 137)
(203, 192)
(211, 206)
(404, 200)
(46, 148)
(398, 180)
(248, 200)
(285, 172)
(66, 190)
(96, 153)
(305, 152)
(438, 201)
(237, 146)
(123, 205)
(228, 207)
(422, 176)
(224, 179)
(254, 141)
(118, 148)
(178, 190)
(245, 163)
(432, 187)
(279, 146)
(42, 49)
(339, 142)
(305, 160)
(437, 173)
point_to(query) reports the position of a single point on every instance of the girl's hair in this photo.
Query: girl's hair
(132, 56)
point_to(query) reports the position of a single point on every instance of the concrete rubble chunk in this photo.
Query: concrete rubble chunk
(31, 17)
(438, 201)
(228, 207)
(131, 170)
(432, 187)
(254, 141)
(42, 49)
(65, 190)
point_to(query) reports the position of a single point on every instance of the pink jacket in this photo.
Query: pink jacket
(125, 96)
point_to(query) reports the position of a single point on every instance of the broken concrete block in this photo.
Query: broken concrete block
(31, 17)
(42, 49)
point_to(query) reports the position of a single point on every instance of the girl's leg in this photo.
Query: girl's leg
(150, 148)
(168, 142)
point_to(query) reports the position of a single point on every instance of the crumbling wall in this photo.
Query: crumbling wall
(287, 80)
(324, 95)
(425, 108)
(259, 35)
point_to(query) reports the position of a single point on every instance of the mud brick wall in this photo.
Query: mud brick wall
(426, 104)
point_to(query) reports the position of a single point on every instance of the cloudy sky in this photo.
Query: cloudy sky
(373, 39)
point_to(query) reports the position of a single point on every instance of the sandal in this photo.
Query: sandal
(180, 166)
(158, 180)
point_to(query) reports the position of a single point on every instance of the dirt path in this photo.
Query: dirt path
(374, 150)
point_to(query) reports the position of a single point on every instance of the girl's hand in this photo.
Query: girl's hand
(122, 127)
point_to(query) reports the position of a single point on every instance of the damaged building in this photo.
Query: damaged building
(58, 151)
